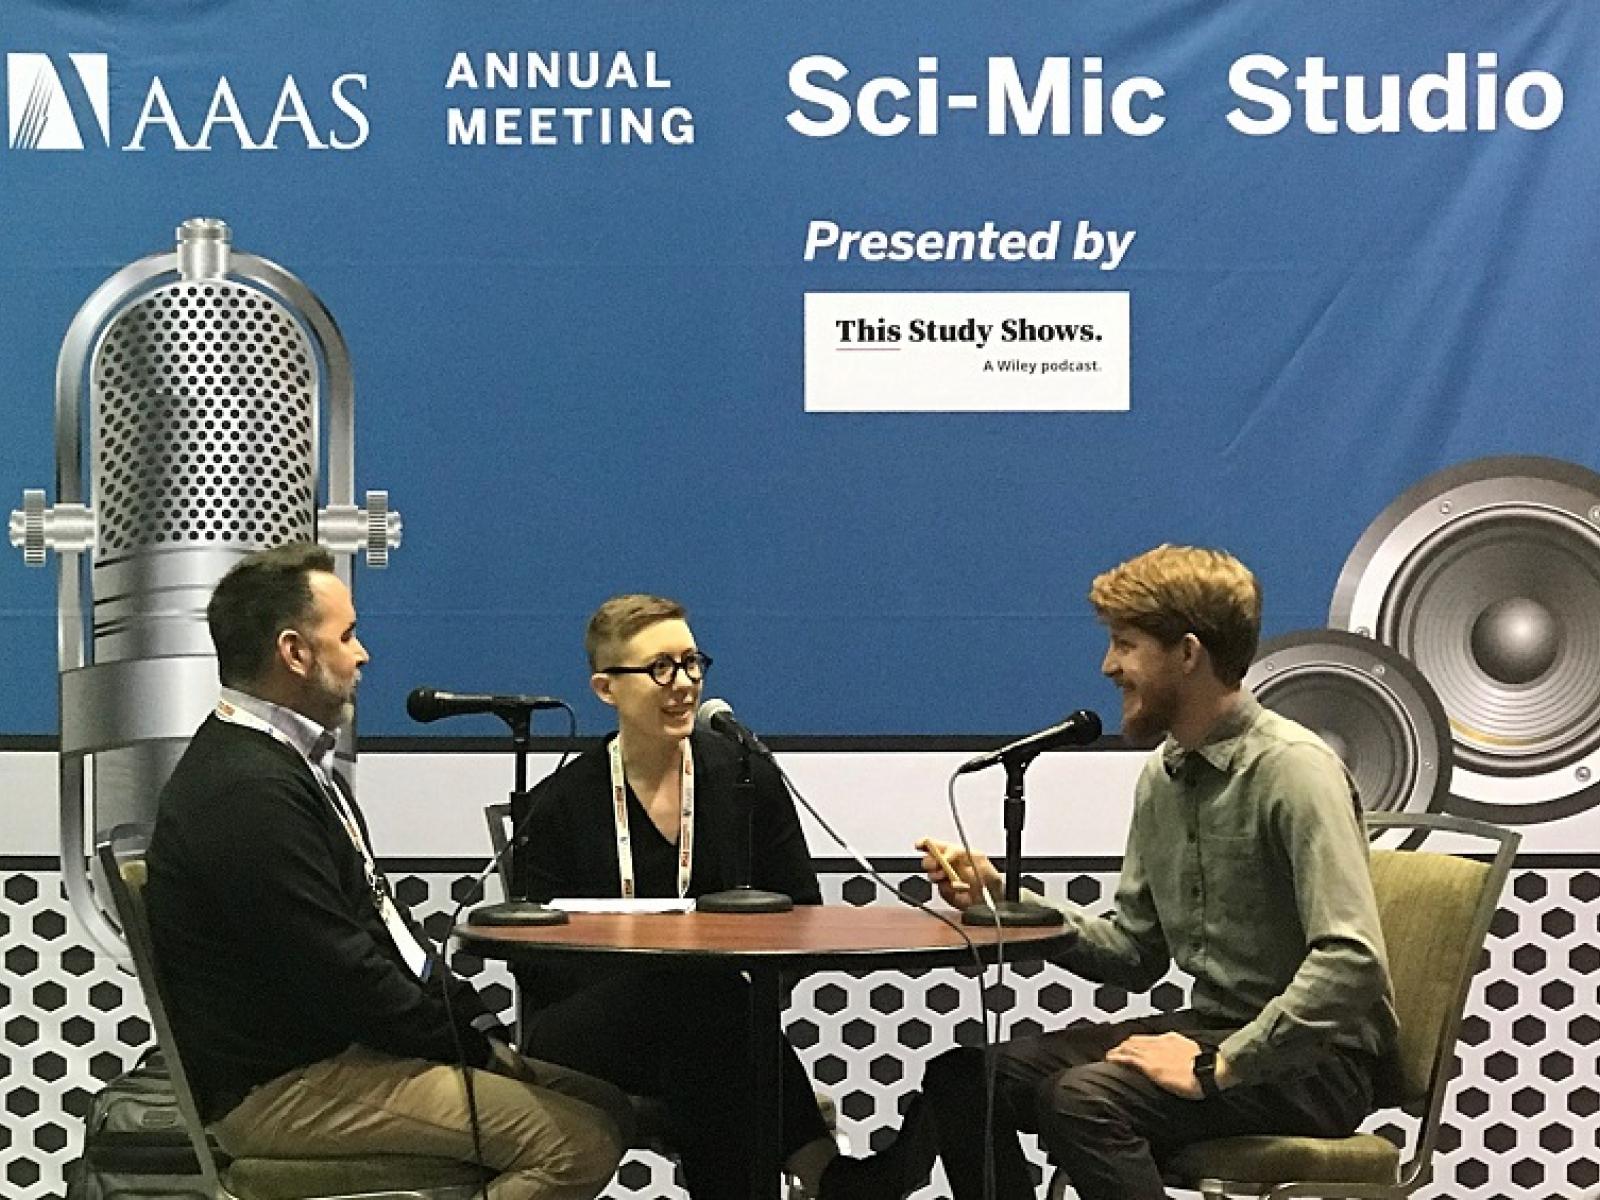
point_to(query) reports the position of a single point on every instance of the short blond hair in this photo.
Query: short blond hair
(1173, 590)
(620, 617)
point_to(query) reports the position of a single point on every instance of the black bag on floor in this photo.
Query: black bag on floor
(134, 1143)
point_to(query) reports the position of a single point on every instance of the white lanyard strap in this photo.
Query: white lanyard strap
(415, 955)
(235, 715)
(619, 814)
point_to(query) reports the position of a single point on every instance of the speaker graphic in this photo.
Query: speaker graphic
(1370, 705)
(1486, 575)
(200, 377)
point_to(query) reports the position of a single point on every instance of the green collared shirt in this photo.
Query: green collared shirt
(1247, 864)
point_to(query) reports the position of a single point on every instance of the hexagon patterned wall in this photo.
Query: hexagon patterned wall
(1523, 1120)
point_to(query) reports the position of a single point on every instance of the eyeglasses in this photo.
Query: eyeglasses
(663, 668)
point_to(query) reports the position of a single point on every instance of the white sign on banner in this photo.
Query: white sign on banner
(966, 352)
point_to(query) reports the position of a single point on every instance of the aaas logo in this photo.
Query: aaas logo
(42, 115)
(56, 105)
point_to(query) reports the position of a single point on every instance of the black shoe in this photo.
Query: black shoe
(861, 1179)
(891, 1174)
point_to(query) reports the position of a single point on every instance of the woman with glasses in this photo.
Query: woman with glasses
(663, 1032)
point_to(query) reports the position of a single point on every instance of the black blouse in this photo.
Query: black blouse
(569, 846)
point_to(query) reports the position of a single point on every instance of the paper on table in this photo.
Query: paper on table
(615, 904)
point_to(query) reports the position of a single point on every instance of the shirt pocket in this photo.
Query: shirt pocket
(1236, 882)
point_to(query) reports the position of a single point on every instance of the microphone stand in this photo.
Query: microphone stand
(742, 897)
(1013, 910)
(517, 910)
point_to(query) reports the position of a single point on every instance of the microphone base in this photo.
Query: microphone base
(744, 900)
(1012, 913)
(517, 912)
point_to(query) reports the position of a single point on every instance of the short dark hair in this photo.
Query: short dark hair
(261, 596)
(620, 617)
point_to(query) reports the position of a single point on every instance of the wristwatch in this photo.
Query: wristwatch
(1205, 1071)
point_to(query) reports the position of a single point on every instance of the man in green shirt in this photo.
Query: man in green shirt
(1246, 865)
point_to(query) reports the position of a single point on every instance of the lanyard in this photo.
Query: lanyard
(235, 715)
(415, 955)
(619, 813)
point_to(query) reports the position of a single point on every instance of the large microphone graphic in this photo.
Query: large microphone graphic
(207, 382)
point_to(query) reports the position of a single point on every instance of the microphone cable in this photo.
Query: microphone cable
(468, 896)
(990, 1038)
(991, 1057)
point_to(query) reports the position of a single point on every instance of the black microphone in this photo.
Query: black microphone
(717, 716)
(427, 704)
(1081, 728)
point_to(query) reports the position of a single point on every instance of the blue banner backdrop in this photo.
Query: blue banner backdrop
(579, 365)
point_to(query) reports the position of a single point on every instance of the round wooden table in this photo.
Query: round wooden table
(773, 949)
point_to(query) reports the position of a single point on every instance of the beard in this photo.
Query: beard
(1155, 707)
(336, 699)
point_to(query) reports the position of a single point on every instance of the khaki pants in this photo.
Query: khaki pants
(549, 1133)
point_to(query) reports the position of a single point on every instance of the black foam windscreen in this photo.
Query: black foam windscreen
(1487, 577)
(1370, 705)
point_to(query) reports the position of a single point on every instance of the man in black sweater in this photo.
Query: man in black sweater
(313, 1019)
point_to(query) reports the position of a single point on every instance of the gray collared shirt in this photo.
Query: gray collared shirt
(313, 741)
(1247, 864)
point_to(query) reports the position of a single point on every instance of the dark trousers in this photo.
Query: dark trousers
(1108, 1125)
(682, 1037)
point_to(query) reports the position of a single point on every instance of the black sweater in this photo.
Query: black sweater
(272, 952)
